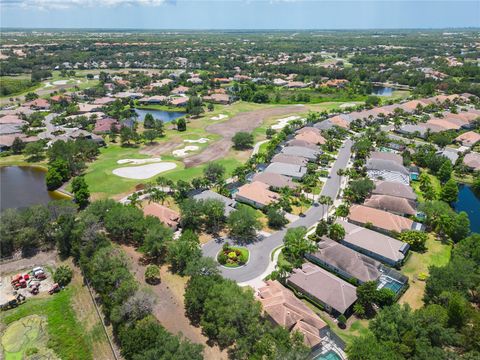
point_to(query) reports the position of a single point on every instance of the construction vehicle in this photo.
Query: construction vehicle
(40, 275)
(34, 289)
(20, 284)
(16, 278)
(12, 301)
(54, 289)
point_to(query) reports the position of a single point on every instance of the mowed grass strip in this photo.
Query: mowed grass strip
(437, 254)
(66, 335)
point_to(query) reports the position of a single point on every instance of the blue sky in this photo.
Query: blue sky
(239, 14)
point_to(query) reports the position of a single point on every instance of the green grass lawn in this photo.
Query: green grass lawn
(65, 335)
(437, 254)
(437, 186)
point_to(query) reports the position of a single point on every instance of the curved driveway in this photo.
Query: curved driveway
(260, 250)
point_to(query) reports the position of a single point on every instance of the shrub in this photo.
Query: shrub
(63, 275)
(342, 320)
(222, 258)
(152, 274)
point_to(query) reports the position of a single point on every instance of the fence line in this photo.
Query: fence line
(101, 319)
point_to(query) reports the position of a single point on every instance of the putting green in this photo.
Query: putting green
(27, 339)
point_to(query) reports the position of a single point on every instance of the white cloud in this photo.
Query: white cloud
(66, 4)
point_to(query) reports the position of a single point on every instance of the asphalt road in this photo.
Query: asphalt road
(260, 250)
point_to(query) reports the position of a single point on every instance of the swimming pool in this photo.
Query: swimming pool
(389, 283)
(330, 355)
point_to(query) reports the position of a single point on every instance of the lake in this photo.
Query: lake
(382, 91)
(165, 116)
(23, 186)
(470, 203)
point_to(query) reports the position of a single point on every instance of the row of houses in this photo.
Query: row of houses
(286, 167)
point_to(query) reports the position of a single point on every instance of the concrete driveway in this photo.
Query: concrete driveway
(260, 251)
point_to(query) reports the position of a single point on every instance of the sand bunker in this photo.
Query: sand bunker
(60, 82)
(138, 161)
(185, 150)
(347, 105)
(200, 141)
(145, 171)
(281, 123)
(219, 117)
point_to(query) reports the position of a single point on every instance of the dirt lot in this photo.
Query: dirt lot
(246, 121)
(162, 148)
(169, 308)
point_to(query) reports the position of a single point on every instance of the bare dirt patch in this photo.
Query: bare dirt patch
(162, 148)
(169, 308)
(246, 121)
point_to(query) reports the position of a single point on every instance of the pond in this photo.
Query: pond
(382, 91)
(23, 186)
(165, 116)
(470, 203)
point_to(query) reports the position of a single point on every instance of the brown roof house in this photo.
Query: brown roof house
(468, 139)
(472, 161)
(336, 295)
(167, 216)
(275, 181)
(38, 104)
(290, 159)
(284, 309)
(374, 244)
(393, 204)
(256, 194)
(310, 135)
(381, 220)
(394, 189)
(345, 262)
(218, 99)
(388, 156)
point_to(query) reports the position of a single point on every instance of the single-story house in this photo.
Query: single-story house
(324, 125)
(450, 154)
(229, 203)
(409, 129)
(276, 181)
(157, 99)
(6, 141)
(394, 189)
(293, 171)
(393, 204)
(381, 220)
(86, 108)
(38, 104)
(286, 310)
(301, 151)
(387, 156)
(412, 105)
(218, 98)
(104, 100)
(472, 161)
(128, 95)
(301, 143)
(279, 82)
(378, 169)
(296, 85)
(256, 194)
(167, 216)
(374, 244)
(342, 120)
(311, 136)
(336, 295)
(11, 119)
(345, 262)
(290, 159)
(179, 90)
(10, 129)
(103, 126)
(468, 139)
(181, 101)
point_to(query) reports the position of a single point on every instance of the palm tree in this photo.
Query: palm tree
(134, 199)
(157, 195)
